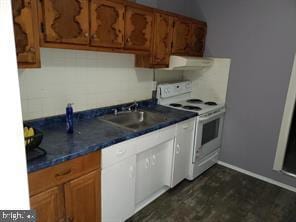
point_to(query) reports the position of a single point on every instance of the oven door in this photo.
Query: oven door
(208, 135)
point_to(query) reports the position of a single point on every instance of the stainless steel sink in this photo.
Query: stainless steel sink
(135, 121)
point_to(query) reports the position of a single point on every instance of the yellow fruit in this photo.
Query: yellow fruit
(26, 131)
(31, 132)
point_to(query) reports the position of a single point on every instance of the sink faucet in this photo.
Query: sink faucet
(135, 105)
(130, 108)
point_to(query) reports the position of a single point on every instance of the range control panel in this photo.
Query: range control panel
(174, 89)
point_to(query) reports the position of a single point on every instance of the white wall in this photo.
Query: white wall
(88, 79)
(14, 193)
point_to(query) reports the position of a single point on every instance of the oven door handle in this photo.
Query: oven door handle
(208, 118)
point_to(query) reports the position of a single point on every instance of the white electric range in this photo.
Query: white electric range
(208, 125)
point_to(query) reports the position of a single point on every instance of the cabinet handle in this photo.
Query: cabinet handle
(147, 163)
(153, 160)
(32, 49)
(86, 34)
(28, 3)
(94, 36)
(131, 173)
(120, 152)
(128, 40)
(185, 126)
(178, 149)
(70, 219)
(63, 173)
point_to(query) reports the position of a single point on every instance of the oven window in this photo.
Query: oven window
(210, 131)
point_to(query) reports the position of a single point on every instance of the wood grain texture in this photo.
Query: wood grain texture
(107, 23)
(181, 36)
(162, 39)
(138, 29)
(197, 39)
(66, 21)
(44, 179)
(26, 33)
(49, 205)
(83, 198)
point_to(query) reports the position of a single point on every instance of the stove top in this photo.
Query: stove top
(195, 101)
(211, 103)
(195, 105)
(196, 108)
(176, 105)
(178, 96)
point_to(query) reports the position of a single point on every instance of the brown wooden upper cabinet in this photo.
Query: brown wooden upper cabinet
(26, 33)
(66, 21)
(163, 31)
(138, 28)
(181, 36)
(107, 23)
(197, 39)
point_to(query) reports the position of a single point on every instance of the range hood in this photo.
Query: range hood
(188, 63)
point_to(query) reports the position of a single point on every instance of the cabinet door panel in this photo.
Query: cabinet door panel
(143, 181)
(161, 166)
(138, 29)
(198, 37)
(118, 190)
(26, 34)
(181, 36)
(49, 205)
(107, 23)
(82, 198)
(66, 21)
(183, 146)
(162, 39)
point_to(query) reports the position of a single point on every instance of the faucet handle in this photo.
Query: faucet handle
(115, 111)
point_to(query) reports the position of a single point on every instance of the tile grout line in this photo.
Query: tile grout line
(257, 176)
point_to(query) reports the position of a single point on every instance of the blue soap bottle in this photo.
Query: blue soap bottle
(69, 118)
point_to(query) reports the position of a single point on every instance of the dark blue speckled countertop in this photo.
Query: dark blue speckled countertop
(91, 133)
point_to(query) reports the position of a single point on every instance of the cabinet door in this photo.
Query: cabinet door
(143, 176)
(183, 145)
(26, 32)
(138, 29)
(162, 39)
(118, 190)
(107, 23)
(82, 197)
(181, 36)
(161, 166)
(198, 38)
(66, 21)
(49, 205)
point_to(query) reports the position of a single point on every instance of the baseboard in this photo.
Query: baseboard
(266, 179)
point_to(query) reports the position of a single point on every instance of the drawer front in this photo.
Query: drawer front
(117, 152)
(187, 125)
(64, 172)
(155, 138)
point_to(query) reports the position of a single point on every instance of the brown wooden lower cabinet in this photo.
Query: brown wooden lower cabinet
(70, 198)
(82, 202)
(48, 205)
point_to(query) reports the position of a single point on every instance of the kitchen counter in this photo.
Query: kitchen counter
(91, 133)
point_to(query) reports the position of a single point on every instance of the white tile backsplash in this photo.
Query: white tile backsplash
(210, 84)
(88, 79)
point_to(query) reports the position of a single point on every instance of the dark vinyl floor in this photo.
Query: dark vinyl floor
(222, 195)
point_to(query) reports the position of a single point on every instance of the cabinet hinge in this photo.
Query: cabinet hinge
(42, 27)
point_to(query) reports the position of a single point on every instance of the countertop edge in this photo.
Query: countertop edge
(97, 147)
